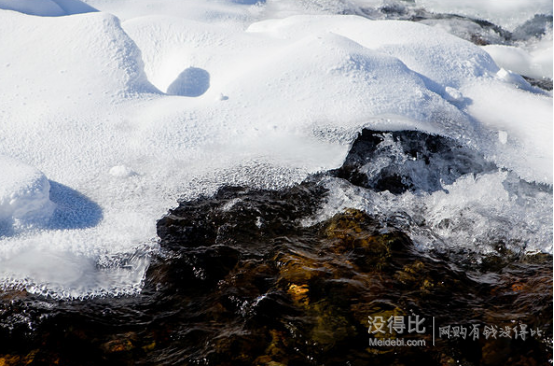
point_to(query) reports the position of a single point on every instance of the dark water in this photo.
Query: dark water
(242, 281)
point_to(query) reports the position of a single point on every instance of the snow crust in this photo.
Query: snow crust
(125, 118)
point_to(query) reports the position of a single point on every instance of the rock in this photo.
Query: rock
(408, 160)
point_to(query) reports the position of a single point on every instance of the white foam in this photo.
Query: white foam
(499, 209)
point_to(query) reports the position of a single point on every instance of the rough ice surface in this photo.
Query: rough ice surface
(127, 112)
(507, 13)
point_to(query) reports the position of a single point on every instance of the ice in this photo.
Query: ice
(127, 113)
(507, 13)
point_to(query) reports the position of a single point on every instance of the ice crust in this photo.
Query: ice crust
(126, 117)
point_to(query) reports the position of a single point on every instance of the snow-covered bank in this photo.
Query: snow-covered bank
(124, 117)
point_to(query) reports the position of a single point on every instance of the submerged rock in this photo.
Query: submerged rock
(308, 299)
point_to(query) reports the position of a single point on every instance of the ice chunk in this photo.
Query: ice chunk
(513, 78)
(453, 95)
(122, 171)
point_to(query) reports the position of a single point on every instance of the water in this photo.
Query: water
(255, 276)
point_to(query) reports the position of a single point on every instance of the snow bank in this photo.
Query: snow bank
(24, 197)
(128, 117)
(460, 73)
(79, 62)
(524, 134)
(63, 79)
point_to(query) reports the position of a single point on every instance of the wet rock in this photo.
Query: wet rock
(545, 84)
(408, 160)
(535, 27)
(120, 343)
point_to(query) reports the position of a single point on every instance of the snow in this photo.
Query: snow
(24, 196)
(534, 62)
(48, 8)
(528, 130)
(126, 113)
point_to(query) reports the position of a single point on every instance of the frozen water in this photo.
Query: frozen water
(127, 113)
(507, 13)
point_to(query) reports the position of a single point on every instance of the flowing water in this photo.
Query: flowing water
(317, 275)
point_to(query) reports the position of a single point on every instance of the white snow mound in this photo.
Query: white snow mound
(24, 196)
(47, 8)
